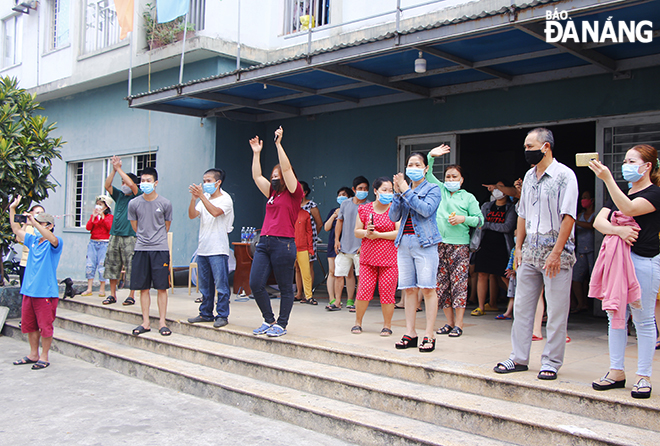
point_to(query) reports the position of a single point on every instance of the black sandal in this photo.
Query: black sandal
(311, 301)
(109, 300)
(427, 345)
(406, 342)
(445, 330)
(129, 301)
(641, 384)
(139, 330)
(455, 332)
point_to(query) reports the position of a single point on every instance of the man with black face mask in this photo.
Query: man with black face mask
(544, 254)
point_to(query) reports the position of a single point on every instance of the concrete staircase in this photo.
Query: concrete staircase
(365, 398)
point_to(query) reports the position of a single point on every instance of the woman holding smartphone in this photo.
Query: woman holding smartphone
(641, 169)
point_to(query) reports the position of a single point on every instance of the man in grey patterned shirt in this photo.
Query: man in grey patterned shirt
(544, 254)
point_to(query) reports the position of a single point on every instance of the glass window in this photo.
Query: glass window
(86, 180)
(424, 144)
(11, 41)
(618, 140)
(60, 14)
(101, 25)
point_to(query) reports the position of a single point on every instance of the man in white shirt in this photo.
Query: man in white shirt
(215, 210)
(544, 254)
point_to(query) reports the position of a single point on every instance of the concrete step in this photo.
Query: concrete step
(507, 421)
(353, 423)
(573, 398)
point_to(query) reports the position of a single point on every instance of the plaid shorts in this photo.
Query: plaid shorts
(120, 253)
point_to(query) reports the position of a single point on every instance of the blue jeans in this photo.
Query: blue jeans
(95, 259)
(418, 267)
(647, 270)
(213, 274)
(277, 254)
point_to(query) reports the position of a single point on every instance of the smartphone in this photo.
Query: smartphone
(20, 218)
(582, 159)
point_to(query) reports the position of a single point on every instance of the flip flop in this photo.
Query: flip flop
(139, 330)
(356, 329)
(333, 307)
(164, 331)
(502, 317)
(25, 360)
(509, 366)
(537, 338)
(547, 375)
(39, 365)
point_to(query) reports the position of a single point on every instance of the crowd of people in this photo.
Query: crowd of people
(423, 235)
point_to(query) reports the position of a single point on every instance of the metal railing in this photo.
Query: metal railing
(301, 15)
(197, 13)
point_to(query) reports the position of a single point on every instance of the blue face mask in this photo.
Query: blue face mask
(147, 188)
(209, 188)
(385, 198)
(361, 194)
(414, 173)
(452, 186)
(631, 173)
(341, 199)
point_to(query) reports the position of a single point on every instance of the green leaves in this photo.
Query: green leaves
(26, 153)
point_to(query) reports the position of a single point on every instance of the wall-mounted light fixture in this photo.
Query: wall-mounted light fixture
(420, 64)
(24, 6)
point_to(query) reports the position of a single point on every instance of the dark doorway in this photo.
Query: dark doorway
(488, 157)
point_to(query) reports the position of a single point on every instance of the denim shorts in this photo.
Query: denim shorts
(418, 266)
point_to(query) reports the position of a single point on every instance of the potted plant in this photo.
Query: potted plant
(161, 34)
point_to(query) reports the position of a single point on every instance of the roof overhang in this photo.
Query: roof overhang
(492, 50)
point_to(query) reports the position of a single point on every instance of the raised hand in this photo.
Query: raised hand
(14, 204)
(196, 190)
(256, 144)
(278, 134)
(116, 162)
(399, 183)
(600, 169)
(442, 149)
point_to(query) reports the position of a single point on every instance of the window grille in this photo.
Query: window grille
(618, 140)
(301, 15)
(101, 26)
(60, 13)
(86, 181)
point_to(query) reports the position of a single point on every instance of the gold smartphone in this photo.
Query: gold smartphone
(582, 159)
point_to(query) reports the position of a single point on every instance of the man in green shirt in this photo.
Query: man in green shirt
(122, 236)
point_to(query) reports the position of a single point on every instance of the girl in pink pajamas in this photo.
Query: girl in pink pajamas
(378, 259)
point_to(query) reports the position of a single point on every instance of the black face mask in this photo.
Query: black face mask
(534, 156)
(275, 183)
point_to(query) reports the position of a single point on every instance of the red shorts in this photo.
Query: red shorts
(38, 314)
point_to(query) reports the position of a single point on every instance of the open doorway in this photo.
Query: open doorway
(488, 157)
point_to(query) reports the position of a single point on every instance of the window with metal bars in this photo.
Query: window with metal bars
(86, 181)
(59, 24)
(618, 140)
(101, 26)
(301, 15)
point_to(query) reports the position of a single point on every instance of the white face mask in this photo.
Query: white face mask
(498, 194)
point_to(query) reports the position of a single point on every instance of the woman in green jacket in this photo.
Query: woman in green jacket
(458, 212)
